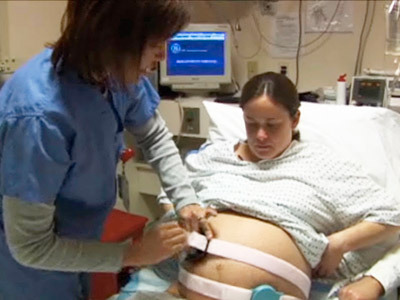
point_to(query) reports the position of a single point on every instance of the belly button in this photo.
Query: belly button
(219, 267)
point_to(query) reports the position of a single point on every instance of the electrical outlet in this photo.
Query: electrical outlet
(9, 65)
(191, 120)
(283, 68)
(252, 68)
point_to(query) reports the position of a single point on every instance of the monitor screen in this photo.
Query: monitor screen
(371, 89)
(198, 57)
(196, 53)
(368, 90)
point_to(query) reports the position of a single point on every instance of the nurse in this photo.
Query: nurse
(62, 117)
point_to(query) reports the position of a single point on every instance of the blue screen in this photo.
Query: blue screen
(196, 54)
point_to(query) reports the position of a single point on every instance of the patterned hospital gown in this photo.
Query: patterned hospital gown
(308, 190)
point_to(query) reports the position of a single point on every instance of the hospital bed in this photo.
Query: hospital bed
(367, 135)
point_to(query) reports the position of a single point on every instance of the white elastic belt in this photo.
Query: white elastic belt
(253, 257)
(217, 290)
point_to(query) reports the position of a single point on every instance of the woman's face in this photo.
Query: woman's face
(269, 127)
(153, 53)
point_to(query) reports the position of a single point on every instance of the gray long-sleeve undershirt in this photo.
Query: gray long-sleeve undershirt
(30, 230)
(33, 242)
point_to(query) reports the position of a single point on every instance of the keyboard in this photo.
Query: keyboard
(227, 99)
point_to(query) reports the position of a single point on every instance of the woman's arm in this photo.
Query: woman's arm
(361, 235)
(29, 229)
(32, 241)
(161, 152)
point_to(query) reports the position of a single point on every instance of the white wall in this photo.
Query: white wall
(28, 25)
(25, 26)
(335, 55)
(3, 29)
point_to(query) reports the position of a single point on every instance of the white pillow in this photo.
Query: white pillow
(367, 135)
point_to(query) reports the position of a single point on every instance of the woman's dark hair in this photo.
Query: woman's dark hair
(277, 87)
(99, 35)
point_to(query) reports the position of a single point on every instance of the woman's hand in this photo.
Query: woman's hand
(194, 218)
(158, 244)
(367, 288)
(331, 258)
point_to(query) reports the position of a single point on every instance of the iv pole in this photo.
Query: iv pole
(393, 38)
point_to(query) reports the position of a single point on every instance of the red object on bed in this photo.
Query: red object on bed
(119, 226)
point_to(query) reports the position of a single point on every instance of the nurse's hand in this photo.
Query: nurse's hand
(367, 288)
(156, 245)
(193, 217)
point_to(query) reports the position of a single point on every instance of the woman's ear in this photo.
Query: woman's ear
(296, 119)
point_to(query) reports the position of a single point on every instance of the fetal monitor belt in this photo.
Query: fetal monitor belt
(222, 291)
(252, 257)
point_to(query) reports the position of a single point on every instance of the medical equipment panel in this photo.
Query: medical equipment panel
(369, 90)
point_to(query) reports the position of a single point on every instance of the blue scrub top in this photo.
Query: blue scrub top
(60, 141)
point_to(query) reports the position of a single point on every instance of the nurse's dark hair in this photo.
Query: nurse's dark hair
(278, 88)
(103, 35)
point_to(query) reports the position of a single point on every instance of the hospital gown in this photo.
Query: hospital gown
(308, 190)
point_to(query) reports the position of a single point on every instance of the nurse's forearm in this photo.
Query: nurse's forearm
(161, 152)
(32, 241)
(363, 234)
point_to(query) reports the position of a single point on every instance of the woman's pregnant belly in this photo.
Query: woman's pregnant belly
(256, 234)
